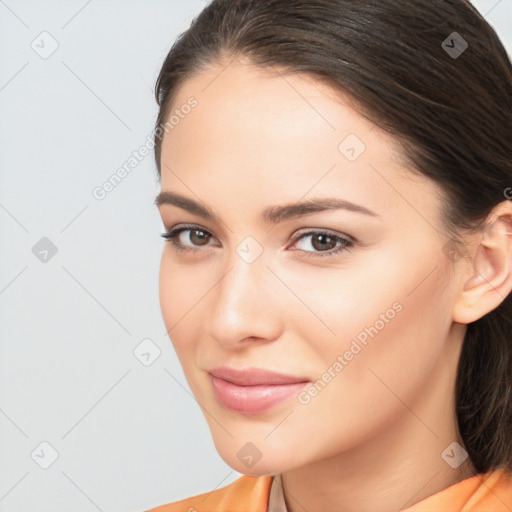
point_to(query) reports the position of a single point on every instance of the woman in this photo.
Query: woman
(335, 185)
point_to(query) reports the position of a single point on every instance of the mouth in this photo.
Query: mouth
(253, 390)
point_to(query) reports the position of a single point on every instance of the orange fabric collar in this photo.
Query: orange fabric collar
(485, 492)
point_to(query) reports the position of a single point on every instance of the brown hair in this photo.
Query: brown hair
(449, 106)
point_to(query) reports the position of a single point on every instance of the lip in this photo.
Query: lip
(253, 390)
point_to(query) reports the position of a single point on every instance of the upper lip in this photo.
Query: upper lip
(254, 376)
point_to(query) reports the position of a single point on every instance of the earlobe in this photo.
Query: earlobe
(490, 272)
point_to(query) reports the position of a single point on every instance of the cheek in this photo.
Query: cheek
(181, 287)
(331, 306)
(389, 313)
(391, 331)
(355, 398)
(167, 291)
(178, 295)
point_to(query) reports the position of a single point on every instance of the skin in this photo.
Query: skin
(372, 438)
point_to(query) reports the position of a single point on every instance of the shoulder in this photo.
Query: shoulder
(245, 494)
(494, 493)
(483, 492)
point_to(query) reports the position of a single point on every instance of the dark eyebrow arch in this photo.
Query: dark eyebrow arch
(272, 214)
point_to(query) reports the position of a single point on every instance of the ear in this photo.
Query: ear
(489, 267)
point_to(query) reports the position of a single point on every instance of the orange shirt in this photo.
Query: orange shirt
(485, 492)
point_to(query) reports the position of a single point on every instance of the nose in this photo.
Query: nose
(245, 305)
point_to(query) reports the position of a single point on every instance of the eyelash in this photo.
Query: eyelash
(172, 235)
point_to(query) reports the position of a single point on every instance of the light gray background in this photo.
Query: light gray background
(128, 436)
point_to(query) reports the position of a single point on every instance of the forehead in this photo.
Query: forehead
(271, 137)
(268, 104)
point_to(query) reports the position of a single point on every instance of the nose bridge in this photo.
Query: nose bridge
(241, 301)
(243, 281)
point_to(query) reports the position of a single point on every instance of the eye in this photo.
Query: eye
(196, 235)
(324, 243)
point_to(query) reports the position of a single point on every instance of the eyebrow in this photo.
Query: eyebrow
(271, 214)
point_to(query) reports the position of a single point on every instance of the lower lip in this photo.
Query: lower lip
(252, 399)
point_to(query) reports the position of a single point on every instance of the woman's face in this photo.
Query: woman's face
(367, 322)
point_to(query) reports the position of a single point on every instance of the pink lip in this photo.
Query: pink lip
(253, 390)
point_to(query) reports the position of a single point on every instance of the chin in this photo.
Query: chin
(259, 469)
(239, 459)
